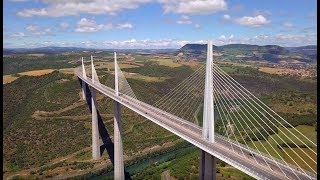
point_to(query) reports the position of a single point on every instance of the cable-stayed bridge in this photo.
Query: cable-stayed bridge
(237, 127)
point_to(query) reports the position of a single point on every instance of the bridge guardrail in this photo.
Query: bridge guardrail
(231, 161)
(253, 150)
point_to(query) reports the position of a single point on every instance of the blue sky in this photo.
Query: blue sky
(158, 23)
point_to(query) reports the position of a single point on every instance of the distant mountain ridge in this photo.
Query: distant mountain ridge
(56, 49)
(272, 53)
(245, 52)
(310, 51)
(49, 49)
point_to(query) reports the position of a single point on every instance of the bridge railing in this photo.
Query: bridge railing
(229, 140)
(235, 163)
(244, 167)
(259, 153)
(222, 137)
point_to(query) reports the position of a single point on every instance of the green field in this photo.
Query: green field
(228, 69)
(285, 152)
(167, 62)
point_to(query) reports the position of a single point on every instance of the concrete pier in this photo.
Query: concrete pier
(207, 166)
(83, 91)
(207, 161)
(95, 128)
(118, 149)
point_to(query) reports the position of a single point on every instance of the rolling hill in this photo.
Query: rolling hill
(247, 52)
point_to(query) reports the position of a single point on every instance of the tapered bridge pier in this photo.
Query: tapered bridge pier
(207, 161)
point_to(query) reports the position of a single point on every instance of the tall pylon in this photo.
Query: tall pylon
(95, 129)
(83, 83)
(208, 109)
(118, 150)
(95, 77)
(83, 69)
(207, 161)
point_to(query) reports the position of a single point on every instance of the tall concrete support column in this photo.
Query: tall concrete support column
(95, 128)
(207, 166)
(207, 161)
(118, 150)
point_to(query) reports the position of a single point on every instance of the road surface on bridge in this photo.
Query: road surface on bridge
(260, 167)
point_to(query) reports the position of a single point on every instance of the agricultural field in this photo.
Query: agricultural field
(9, 78)
(110, 65)
(37, 72)
(145, 78)
(67, 70)
(47, 125)
(167, 62)
(275, 151)
(272, 70)
(37, 54)
(281, 71)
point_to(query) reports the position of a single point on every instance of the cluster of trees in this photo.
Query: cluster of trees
(21, 63)
(261, 134)
(295, 120)
(291, 145)
(294, 97)
(152, 68)
(29, 142)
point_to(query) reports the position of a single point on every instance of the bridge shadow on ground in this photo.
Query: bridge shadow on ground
(107, 142)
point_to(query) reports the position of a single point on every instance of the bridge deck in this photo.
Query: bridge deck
(260, 167)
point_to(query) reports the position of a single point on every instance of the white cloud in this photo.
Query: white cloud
(222, 37)
(89, 25)
(33, 12)
(47, 30)
(197, 26)
(144, 44)
(64, 25)
(286, 40)
(185, 17)
(259, 39)
(257, 12)
(226, 17)
(308, 30)
(288, 25)
(252, 21)
(293, 39)
(193, 6)
(18, 0)
(86, 22)
(75, 7)
(18, 34)
(32, 28)
(184, 20)
(36, 30)
(125, 26)
(140, 44)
